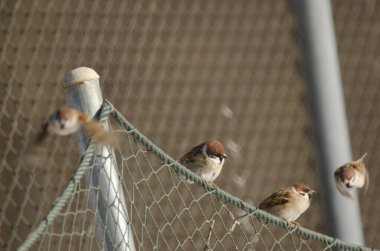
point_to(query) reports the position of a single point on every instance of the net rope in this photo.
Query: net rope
(227, 221)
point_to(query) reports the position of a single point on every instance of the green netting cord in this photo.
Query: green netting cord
(61, 201)
(222, 195)
(107, 109)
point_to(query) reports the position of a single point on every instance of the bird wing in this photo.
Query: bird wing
(96, 131)
(190, 157)
(278, 198)
(366, 180)
(43, 134)
(36, 152)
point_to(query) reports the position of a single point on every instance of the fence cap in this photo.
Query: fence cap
(79, 75)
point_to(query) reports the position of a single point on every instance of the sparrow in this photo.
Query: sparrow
(206, 160)
(289, 203)
(350, 176)
(62, 122)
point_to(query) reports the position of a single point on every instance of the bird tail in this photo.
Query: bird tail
(361, 160)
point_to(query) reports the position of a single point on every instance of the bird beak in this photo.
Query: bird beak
(224, 155)
(312, 192)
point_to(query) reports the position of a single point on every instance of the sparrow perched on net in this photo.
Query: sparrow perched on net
(206, 160)
(66, 121)
(350, 176)
(289, 203)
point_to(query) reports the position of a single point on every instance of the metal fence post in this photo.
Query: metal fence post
(113, 228)
(328, 113)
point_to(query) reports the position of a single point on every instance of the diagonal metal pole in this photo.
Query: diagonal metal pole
(113, 228)
(328, 113)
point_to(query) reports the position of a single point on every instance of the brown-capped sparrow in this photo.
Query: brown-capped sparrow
(206, 160)
(289, 203)
(350, 176)
(63, 122)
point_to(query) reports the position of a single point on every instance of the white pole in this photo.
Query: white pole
(328, 114)
(113, 228)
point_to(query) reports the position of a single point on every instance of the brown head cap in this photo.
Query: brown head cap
(65, 113)
(214, 147)
(302, 187)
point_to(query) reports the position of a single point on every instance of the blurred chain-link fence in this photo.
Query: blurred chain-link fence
(181, 72)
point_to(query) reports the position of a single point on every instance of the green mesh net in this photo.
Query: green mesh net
(164, 211)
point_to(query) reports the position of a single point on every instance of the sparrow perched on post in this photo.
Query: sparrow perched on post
(289, 203)
(63, 122)
(206, 160)
(350, 176)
